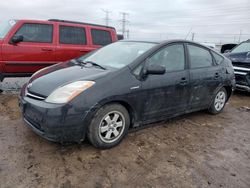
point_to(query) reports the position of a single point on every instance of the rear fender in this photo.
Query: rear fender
(228, 89)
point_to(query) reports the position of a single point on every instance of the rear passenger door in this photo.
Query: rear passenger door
(72, 42)
(205, 76)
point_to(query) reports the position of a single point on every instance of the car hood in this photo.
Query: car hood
(243, 57)
(45, 81)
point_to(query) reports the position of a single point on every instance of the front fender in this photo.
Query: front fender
(114, 99)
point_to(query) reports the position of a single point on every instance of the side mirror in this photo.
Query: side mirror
(153, 69)
(16, 39)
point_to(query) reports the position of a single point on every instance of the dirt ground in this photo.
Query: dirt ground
(195, 150)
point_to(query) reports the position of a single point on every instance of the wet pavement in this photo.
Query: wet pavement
(195, 150)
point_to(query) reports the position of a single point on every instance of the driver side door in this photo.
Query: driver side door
(166, 95)
(36, 51)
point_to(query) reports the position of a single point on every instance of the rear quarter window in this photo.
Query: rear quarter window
(199, 57)
(101, 37)
(218, 59)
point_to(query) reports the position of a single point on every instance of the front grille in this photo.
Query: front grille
(241, 70)
(33, 123)
(243, 65)
(240, 79)
(35, 96)
(242, 73)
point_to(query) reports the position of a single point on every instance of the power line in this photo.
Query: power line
(183, 24)
(219, 7)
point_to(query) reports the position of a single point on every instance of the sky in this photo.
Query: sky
(215, 21)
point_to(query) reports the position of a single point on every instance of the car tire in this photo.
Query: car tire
(109, 126)
(218, 102)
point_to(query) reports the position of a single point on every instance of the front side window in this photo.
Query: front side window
(199, 57)
(171, 57)
(5, 27)
(36, 32)
(101, 37)
(243, 47)
(72, 35)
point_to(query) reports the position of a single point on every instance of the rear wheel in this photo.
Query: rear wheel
(109, 126)
(219, 101)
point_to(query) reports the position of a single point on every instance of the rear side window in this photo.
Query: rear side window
(101, 37)
(218, 58)
(199, 57)
(72, 35)
(36, 32)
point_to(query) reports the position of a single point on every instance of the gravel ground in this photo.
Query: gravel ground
(12, 84)
(195, 150)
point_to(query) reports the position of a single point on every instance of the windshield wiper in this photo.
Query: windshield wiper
(92, 63)
(75, 61)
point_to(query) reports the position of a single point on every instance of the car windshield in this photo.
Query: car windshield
(118, 54)
(243, 47)
(5, 26)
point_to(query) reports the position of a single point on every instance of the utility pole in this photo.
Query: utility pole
(124, 21)
(193, 36)
(127, 34)
(188, 33)
(107, 19)
(240, 35)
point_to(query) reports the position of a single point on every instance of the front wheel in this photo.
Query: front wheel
(219, 102)
(109, 126)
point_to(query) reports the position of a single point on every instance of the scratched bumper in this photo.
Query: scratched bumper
(58, 123)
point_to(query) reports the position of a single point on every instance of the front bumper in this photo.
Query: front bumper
(243, 87)
(58, 123)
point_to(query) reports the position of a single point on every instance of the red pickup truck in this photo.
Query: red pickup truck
(29, 45)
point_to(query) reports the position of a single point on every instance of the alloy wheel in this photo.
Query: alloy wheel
(220, 100)
(111, 127)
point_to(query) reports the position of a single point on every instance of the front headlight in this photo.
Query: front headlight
(67, 92)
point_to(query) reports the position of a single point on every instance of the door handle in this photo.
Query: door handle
(183, 81)
(47, 49)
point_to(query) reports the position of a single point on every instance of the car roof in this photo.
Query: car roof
(65, 21)
(143, 41)
(81, 23)
(166, 41)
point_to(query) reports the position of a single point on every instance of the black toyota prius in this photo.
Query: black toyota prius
(122, 86)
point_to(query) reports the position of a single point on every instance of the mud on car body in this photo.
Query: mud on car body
(124, 85)
(240, 57)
